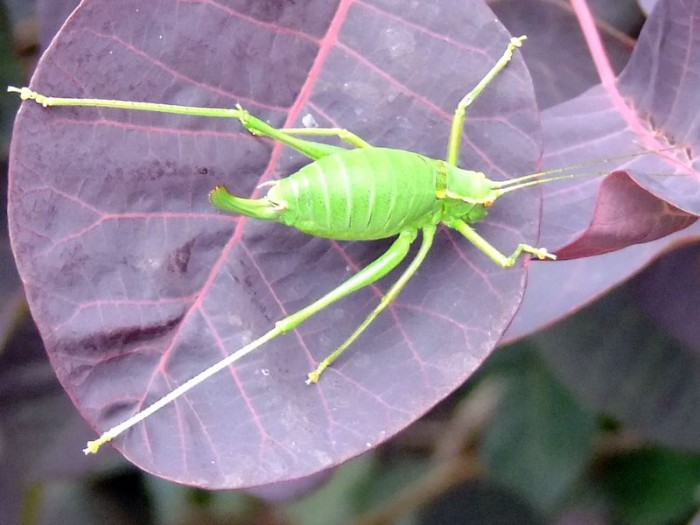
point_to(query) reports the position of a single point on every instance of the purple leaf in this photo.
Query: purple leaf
(633, 371)
(625, 214)
(580, 281)
(137, 283)
(645, 107)
(670, 294)
(613, 119)
(556, 54)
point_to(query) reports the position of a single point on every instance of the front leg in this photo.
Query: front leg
(491, 251)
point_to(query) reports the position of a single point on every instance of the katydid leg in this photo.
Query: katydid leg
(366, 276)
(491, 251)
(458, 119)
(288, 136)
(313, 150)
(342, 133)
(387, 299)
(258, 208)
(43, 100)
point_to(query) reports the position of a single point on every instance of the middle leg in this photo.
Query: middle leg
(313, 150)
(342, 133)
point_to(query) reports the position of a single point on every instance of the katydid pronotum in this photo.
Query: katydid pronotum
(365, 193)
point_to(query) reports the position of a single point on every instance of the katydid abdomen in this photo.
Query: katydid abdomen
(361, 194)
(366, 194)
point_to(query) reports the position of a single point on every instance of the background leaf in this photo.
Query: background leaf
(654, 486)
(600, 124)
(636, 372)
(561, 434)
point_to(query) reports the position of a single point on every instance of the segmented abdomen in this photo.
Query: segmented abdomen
(361, 194)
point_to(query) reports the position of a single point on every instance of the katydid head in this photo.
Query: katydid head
(473, 187)
(471, 193)
(466, 193)
(467, 186)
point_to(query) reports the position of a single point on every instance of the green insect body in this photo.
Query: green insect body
(357, 194)
(368, 193)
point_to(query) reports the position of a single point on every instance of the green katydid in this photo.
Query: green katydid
(365, 193)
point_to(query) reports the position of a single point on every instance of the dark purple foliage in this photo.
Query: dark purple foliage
(136, 283)
(634, 368)
(630, 371)
(597, 125)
